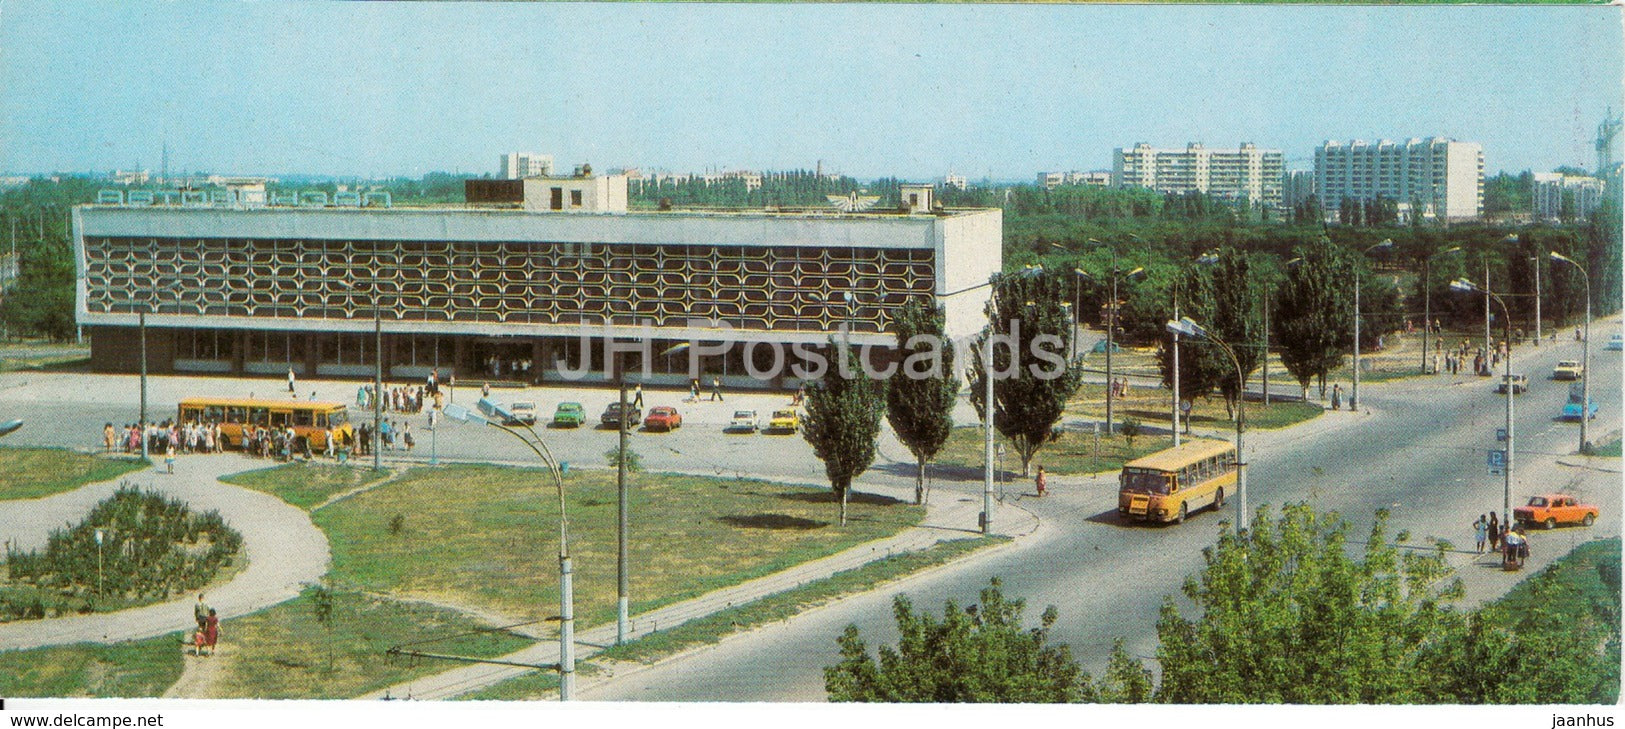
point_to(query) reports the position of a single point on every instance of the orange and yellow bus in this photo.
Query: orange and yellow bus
(310, 419)
(1168, 485)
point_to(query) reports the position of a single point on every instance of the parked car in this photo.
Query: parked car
(569, 415)
(1100, 347)
(612, 417)
(1572, 408)
(521, 413)
(1518, 383)
(1567, 369)
(744, 421)
(1616, 342)
(663, 418)
(1549, 510)
(784, 421)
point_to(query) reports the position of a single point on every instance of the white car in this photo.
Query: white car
(744, 421)
(522, 413)
(1616, 342)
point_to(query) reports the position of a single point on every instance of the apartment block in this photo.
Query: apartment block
(1244, 173)
(1433, 177)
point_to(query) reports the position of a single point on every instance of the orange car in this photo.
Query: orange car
(1549, 510)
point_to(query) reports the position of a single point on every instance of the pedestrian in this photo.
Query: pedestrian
(1337, 397)
(1576, 334)
(290, 382)
(716, 389)
(694, 390)
(1435, 368)
(1040, 482)
(200, 611)
(208, 634)
(108, 437)
(406, 436)
(637, 396)
(1481, 531)
(331, 437)
(485, 390)
(169, 459)
(1494, 534)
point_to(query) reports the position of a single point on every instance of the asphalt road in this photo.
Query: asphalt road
(1420, 453)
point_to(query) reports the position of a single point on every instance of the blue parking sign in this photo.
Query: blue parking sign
(1497, 460)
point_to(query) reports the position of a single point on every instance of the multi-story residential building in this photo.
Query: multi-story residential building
(535, 271)
(1096, 178)
(958, 182)
(517, 165)
(1245, 173)
(1434, 177)
(1557, 195)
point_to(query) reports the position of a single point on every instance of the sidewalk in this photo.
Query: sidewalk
(283, 549)
(950, 516)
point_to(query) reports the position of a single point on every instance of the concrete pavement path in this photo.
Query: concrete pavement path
(283, 548)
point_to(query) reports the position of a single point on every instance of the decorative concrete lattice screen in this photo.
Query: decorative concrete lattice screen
(756, 288)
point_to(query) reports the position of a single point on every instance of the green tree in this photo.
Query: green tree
(1032, 379)
(1313, 324)
(1288, 616)
(920, 403)
(1239, 283)
(843, 422)
(1201, 366)
(974, 654)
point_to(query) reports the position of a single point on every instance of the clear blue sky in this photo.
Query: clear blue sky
(375, 89)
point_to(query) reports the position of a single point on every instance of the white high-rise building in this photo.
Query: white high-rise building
(1552, 188)
(518, 165)
(1244, 173)
(1433, 177)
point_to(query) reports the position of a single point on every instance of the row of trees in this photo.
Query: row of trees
(1283, 613)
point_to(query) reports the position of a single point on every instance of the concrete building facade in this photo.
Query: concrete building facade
(1434, 177)
(1245, 173)
(506, 290)
(1555, 191)
(519, 165)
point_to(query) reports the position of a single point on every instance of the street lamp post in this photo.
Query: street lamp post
(1536, 260)
(1462, 284)
(1354, 393)
(988, 404)
(1176, 369)
(1191, 329)
(142, 425)
(567, 655)
(1585, 353)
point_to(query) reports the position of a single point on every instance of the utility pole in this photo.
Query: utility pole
(142, 315)
(1354, 394)
(1487, 342)
(1176, 369)
(622, 599)
(1536, 261)
(1265, 359)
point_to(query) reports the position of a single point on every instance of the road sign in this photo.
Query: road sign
(1497, 460)
(1500, 435)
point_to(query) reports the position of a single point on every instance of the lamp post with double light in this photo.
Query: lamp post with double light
(494, 417)
(1188, 328)
(1585, 352)
(1464, 285)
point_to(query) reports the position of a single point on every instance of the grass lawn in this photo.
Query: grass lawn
(29, 473)
(283, 652)
(486, 536)
(738, 619)
(139, 669)
(1609, 449)
(1150, 407)
(304, 484)
(1073, 453)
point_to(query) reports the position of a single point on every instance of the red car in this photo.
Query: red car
(663, 418)
(1549, 510)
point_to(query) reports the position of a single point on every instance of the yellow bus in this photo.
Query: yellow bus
(1168, 485)
(310, 419)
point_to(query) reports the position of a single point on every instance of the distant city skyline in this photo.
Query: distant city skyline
(914, 91)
